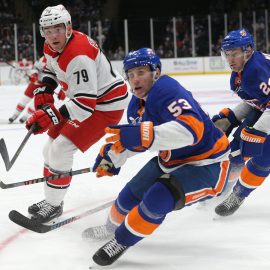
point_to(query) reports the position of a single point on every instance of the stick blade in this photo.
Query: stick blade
(26, 222)
(3, 185)
(4, 154)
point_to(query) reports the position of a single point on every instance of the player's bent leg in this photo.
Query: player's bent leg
(121, 207)
(58, 154)
(252, 176)
(141, 221)
(19, 108)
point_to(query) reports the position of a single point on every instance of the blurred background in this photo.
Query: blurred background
(174, 29)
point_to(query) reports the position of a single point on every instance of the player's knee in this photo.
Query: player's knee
(46, 150)
(61, 154)
(158, 200)
(126, 200)
(170, 181)
(259, 166)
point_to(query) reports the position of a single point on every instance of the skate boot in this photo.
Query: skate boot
(23, 118)
(230, 205)
(34, 208)
(48, 212)
(98, 233)
(109, 253)
(13, 118)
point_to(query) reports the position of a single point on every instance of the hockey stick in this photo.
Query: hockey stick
(25, 75)
(45, 178)
(235, 153)
(4, 152)
(32, 225)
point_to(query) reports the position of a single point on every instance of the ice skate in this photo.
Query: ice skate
(34, 208)
(97, 233)
(230, 205)
(13, 118)
(23, 118)
(109, 253)
(47, 212)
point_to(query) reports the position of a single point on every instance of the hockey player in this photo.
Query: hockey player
(192, 164)
(27, 99)
(97, 98)
(250, 81)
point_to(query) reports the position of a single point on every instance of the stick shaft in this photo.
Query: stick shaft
(44, 179)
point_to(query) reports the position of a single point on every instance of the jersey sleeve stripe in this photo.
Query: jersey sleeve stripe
(112, 87)
(113, 100)
(193, 125)
(85, 95)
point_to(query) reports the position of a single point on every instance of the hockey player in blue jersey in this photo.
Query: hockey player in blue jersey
(192, 164)
(250, 80)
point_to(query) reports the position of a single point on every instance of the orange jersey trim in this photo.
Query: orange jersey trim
(196, 125)
(220, 145)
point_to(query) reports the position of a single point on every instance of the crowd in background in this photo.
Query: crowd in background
(84, 11)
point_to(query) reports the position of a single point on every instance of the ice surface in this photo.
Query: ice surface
(189, 239)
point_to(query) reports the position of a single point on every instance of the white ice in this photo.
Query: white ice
(189, 239)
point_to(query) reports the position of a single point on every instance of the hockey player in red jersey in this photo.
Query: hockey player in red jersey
(25, 100)
(192, 164)
(35, 78)
(97, 97)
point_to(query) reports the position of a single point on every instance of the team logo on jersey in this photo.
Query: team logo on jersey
(165, 155)
(243, 33)
(73, 124)
(136, 120)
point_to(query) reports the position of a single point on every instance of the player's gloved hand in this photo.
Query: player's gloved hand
(33, 78)
(226, 120)
(131, 136)
(44, 119)
(43, 95)
(61, 95)
(104, 165)
(251, 143)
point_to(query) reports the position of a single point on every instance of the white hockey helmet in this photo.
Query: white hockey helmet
(53, 16)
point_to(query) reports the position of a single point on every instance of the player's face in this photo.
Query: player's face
(141, 80)
(235, 58)
(56, 36)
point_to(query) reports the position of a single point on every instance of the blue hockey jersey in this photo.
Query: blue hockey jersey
(170, 102)
(252, 84)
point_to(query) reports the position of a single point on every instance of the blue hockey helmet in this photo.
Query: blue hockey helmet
(142, 57)
(240, 38)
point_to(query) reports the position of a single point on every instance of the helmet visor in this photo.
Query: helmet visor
(234, 54)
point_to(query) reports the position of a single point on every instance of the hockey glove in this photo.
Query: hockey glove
(226, 120)
(104, 165)
(43, 95)
(44, 119)
(252, 141)
(33, 78)
(131, 136)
